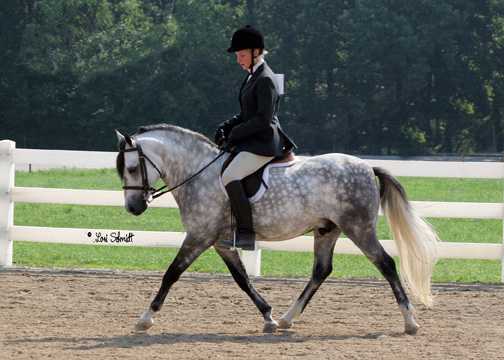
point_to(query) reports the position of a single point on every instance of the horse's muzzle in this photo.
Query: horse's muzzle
(137, 208)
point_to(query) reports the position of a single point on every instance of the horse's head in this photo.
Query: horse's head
(137, 168)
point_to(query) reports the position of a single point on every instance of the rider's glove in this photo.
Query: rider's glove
(220, 136)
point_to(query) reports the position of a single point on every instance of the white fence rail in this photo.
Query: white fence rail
(10, 194)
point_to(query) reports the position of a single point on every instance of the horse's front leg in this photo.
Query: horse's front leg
(190, 250)
(239, 273)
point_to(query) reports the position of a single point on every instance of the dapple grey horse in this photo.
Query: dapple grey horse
(329, 194)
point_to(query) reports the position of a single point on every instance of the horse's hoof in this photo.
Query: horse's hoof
(270, 327)
(412, 329)
(144, 325)
(145, 322)
(284, 324)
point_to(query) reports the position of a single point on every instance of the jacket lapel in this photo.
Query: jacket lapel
(242, 87)
(254, 77)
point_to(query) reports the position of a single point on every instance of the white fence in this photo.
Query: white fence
(10, 194)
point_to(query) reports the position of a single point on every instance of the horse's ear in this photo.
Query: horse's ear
(120, 139)
(123, 139)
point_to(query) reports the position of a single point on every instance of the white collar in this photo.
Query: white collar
(259, 63)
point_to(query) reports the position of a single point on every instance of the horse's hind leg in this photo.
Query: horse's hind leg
(368, 243)
(239, 273)
(325, 239)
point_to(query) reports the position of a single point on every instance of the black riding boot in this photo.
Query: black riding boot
(240, 205)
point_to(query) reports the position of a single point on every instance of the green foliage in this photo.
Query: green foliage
(89, 36)
(369, 76)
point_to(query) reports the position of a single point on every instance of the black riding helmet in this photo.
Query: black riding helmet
(246, 38)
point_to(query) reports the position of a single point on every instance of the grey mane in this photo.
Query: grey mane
(175, 129)
(165, 127)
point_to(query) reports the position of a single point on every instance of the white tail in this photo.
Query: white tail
(416, 240)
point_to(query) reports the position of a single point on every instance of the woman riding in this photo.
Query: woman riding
(254, 136)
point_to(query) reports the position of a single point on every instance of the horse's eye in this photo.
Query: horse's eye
(132, 169)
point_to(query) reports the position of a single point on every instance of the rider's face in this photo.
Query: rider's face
(244, 58)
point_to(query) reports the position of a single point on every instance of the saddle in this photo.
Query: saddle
(253, 183)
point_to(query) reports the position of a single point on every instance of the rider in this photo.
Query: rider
(254, 136)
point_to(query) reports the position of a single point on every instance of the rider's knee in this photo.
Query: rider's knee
(228, 178)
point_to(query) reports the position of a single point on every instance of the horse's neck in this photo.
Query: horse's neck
(183, 155)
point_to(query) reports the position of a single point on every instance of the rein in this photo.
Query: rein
(157, 193)
(150, 192)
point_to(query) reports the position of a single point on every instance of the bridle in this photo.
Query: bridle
(151, 193)
(146, 188)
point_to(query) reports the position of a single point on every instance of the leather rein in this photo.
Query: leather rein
(151, 193)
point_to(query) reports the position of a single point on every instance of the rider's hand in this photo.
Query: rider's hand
(226, 147)
(220, 136)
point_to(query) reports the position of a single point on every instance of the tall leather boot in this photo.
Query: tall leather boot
(240, 205)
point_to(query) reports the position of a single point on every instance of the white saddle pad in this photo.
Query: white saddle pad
(266, 173)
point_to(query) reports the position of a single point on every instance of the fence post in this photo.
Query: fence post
(502, 253)
(252, 261)
(7, 171)
(502, 248)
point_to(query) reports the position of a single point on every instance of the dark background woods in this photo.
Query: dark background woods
(378, 77)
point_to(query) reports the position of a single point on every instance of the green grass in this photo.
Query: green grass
(96, 217)
(433, 189)
(163, 219)
(104, 179)
(274, 263)
(458, 190)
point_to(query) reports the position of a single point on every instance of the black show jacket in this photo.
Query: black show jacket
(257, 129)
